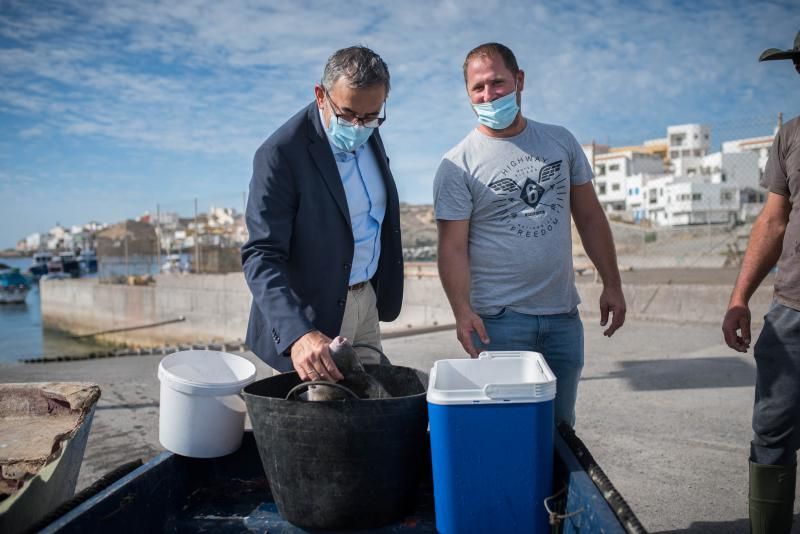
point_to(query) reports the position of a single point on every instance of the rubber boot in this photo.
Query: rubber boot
(771, 498)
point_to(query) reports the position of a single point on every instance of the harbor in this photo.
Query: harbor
(664, 405)
(212, 309)
(399, 268)
(23, 335)
(664, 408)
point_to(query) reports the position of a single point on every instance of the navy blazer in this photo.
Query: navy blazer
(298, 256)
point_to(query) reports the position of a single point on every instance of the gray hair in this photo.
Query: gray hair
(359, 66)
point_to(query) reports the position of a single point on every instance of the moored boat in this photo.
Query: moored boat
(70, 264)
(39, 263)
(232, 494)
(43, 432)
(55, 266)
(14, 287)
(173, 264)
(88, 261)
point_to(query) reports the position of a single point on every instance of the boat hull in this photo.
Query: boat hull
(13, 295)
(54, 483)
(173, 493)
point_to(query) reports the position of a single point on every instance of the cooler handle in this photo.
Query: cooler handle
(510, 391)
(431, 378)
(492, 354)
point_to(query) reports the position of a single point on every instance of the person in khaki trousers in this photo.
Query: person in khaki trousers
(776, 411)
(324, 255)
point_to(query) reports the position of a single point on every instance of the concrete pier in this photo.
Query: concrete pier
(663, 407)
(216, 307)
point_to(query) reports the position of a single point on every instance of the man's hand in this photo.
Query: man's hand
(311, 358)
(592, 225)
(466, 324)
(612, 300)
(763, 250)
(737, 319)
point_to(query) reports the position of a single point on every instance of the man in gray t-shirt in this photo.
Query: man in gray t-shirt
(503, 198)
(776, 411)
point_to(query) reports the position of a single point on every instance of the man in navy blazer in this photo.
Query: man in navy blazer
(324, 256)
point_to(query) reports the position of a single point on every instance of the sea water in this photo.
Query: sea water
(21, 331)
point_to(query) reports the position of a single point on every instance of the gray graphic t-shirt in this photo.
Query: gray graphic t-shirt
(515, 192)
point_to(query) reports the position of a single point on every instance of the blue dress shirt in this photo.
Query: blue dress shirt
(366, 202)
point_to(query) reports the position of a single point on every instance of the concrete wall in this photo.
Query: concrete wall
(216, 307)
(689, 303)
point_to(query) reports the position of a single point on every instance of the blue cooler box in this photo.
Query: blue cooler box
(492, 428)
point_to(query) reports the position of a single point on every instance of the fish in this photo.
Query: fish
(356, 378)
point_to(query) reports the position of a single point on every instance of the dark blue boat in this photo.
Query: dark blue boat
(14, 286)
(173, 493)
(88, 261)
(70, 264)
(39, 263)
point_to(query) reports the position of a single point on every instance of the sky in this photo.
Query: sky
(110, 109)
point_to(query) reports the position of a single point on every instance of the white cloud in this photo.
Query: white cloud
(215, 78)
(29, 133)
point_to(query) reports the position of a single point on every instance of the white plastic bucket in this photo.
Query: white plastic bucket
(201, 412)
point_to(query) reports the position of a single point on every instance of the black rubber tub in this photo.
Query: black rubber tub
(342, 464)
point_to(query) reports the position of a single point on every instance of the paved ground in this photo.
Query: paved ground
(664, 408)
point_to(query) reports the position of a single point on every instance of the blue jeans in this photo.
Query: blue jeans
(558, 337)
(776, 411)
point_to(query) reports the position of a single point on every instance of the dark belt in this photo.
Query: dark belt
(360, 285)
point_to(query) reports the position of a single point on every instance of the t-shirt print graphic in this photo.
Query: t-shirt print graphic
(531, 206)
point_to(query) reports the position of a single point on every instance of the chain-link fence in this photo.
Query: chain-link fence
(198, 235)
(126, 251)
(686, 198)
(201, 234)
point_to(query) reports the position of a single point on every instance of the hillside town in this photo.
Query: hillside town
(218, 227)
(675, 181)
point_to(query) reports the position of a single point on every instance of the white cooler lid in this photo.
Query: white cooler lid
(206, 372)
(494, 377)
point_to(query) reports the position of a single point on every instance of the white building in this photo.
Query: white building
(240, 234)
(688, 144)
(698, 187)
(635, 201)
(746, 174)
(34, 241)
(58, 238)
(671, 201)
(94, 226)
(757, 145)
(593, 150)
(57, 231)
(656, 143)
(221, 217)
(738, 169)
(168, 219)
(612, 172)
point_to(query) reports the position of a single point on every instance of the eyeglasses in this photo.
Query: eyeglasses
(350, 119)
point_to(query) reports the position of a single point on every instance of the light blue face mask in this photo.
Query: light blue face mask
(347, 138)
(498, 114)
